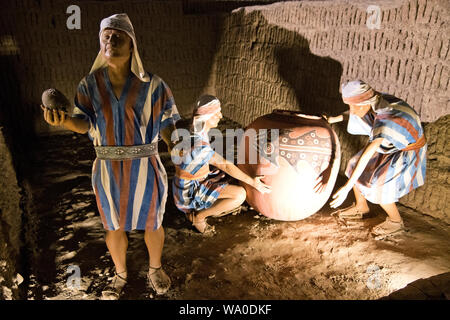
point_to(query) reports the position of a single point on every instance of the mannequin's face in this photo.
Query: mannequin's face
(359, 111)
(115, 45)
(215, 119)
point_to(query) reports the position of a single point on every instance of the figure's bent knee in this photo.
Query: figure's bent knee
(241, 194)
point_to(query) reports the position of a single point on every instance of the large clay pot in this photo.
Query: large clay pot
(306, 147)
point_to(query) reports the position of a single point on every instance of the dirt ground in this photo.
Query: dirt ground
(250, 257)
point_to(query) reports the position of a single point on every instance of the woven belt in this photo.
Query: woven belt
(201, 174)
(416, 145)
(126, 152)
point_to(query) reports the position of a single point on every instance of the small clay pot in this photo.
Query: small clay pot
(54, 99)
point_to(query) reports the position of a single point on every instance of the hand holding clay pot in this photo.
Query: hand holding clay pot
(54, 117)
(54, 105)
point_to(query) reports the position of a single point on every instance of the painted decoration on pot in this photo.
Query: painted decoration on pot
(293, 150)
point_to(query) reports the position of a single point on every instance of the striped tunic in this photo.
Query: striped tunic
(391, 173)
(200, 188)
(130, 194)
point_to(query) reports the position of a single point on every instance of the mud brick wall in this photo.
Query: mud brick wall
(177, 47)
(210, 6)
(434, 197)
(10, 223)
(295, 55)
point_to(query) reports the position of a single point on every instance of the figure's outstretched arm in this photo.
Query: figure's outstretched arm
(340, 196)
(228, 167)
(56, 117)
(343, 116)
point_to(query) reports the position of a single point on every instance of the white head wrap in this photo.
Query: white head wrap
(207, 106)
(122, 22)
(358, 93)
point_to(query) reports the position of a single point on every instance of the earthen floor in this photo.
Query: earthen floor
(250, 257)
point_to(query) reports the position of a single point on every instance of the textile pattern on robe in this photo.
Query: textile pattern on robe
(196, 194)
(391, 173)
(130, 194)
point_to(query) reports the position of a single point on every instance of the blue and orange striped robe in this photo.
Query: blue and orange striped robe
(196, 194)
(130, 194)
(391, 173)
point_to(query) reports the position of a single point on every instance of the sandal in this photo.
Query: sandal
(234, 211)
(201, 225)
(387, 228)
(113, 290)
(350, 213)
(158, 280)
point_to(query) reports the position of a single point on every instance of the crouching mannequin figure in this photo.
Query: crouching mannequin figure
(391, 165)
(198, 192)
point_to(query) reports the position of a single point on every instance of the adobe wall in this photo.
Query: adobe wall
(433, 198)
(10, 223)
(295, 55)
